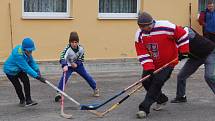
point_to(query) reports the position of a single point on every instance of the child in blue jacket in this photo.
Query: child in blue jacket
(71, 60)
(18, 65)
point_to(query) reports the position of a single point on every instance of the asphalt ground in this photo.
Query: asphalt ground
(111, 79)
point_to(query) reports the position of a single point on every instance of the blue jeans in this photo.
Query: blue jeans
(190, 67)
(82, 72)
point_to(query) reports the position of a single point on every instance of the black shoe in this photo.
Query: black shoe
(22, 103)
(163, 99)
(179, 100)
(57, 98)
(30, 103)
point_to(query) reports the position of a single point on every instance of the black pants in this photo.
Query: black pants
(15, 80)
(210, 36)
(153, 87)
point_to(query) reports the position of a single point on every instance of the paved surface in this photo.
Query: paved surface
(111, 77)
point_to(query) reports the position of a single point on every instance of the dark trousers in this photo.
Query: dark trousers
(190, 67)
(15, 80)
(210, 36)
(153, 87)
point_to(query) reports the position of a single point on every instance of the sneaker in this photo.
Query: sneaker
(141, 114)
(159, 107)
(22, 103)
(30, 103)
(96, 93)
(179, 100)
(58, 98)
(163, 99)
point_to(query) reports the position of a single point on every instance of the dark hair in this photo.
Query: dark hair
(73, 37)
(210, 2)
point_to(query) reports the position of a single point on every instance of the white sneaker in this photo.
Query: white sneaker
(159, 107)
(96, 93)
(141, 114)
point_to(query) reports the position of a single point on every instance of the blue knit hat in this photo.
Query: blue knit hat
(28, 44)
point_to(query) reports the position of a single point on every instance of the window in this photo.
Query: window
(46, 8)
(118, 9)
(203, 5)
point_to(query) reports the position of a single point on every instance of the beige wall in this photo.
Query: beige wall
(176, 11)
(5, 40)
(102, 39)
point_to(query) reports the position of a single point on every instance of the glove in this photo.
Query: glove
(182, 56)
(40, 78)
(74, 65)
(146, 73)
(38, 72)
(150, 72)
(65, 68)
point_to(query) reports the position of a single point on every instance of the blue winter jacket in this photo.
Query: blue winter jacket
(210, 21)
(18, 61)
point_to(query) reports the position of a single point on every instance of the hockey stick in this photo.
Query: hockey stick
(101, 114)
(96, 106)
(63, 93)
(68, 116)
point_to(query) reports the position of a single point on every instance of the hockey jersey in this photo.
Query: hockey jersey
(160, 45)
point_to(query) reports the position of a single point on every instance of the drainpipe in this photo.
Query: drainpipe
(11, 28)
(190, 10)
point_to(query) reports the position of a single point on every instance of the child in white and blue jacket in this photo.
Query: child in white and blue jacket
(71, 60)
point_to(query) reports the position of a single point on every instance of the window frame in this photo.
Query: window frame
(46, 15)
(200, 5)
(120, 15)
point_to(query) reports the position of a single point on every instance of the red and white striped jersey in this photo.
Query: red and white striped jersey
(161, 45)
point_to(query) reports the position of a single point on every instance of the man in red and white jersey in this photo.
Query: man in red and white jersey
(157, 43)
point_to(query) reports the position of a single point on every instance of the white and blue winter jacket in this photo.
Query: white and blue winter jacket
(70, 55)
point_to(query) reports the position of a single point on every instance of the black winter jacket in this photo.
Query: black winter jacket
(200, 47)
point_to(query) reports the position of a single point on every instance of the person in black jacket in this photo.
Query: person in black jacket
(201, 52)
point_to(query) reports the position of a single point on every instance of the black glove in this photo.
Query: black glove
(146, 73)
(40, 78)
(149, 72)
(182, 56)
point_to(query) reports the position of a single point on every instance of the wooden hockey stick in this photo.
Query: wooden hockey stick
(62, 113)
(63, 93)
(101, 114)
(96, 106)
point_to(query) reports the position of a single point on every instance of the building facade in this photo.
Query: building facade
(106, 27)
